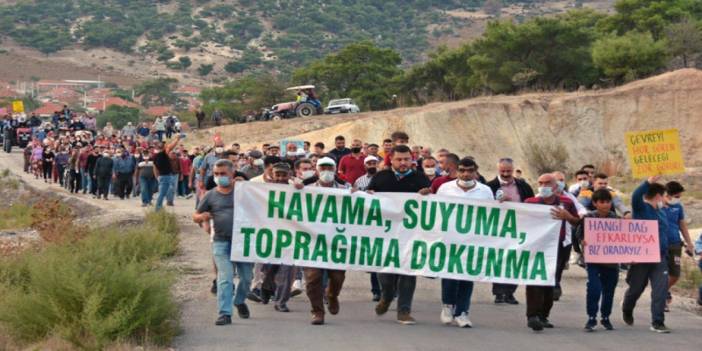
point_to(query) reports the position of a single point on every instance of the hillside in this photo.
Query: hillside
(590, 124)
(207, 40)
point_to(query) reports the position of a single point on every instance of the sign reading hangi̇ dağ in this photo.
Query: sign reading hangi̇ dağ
(437, 236)
(654, 152)
(612, 240)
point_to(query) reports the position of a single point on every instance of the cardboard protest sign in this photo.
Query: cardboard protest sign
(612, 240)
(17, 106)
(405, 233)
(654, 152)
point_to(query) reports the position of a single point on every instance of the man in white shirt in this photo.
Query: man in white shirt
(456, 294)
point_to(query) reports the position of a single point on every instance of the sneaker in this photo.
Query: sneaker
(590, 325)
(405, 318)
(333, 306)
(535, 324)
(189, 196)
(213, 288)
(281, 308)
(463, 321)
(607, 324)
(295, 292)
(317, 319)
(382, 307)
(546, 323)
(510, 300)
(296, 288)
(170, 204)
(628, 317)
(660, 328)
(499, 299)
(376, 297)
(254, 295)
(223, 320)
(243, 311)
(447, 314)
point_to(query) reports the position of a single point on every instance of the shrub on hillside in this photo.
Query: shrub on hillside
(546, 157)
(109, 287)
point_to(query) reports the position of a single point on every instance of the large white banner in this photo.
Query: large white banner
(434, 236)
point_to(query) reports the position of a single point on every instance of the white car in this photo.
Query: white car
(342, 106)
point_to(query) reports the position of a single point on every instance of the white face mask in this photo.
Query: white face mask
(430, 171)
(584, 184)
(674, 201)
(258, 162)
(105, 154)
(466, 183)
(545, 191)
(659, 204)
(326, 176)
(308, 174)
(561, 185)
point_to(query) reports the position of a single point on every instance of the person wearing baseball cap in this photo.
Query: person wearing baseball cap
(326, 168)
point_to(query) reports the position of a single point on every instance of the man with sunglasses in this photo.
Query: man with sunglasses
(456, 294)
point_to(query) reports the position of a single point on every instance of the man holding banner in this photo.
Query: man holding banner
(314, 276)
(218, 205)
(540, 298)
(400, 178)
(647, 203)
(456, 294)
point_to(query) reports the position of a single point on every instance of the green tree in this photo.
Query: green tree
(243, 95)
(235, 67)
(361, 71)
(205, 69)
(118, 116)
(684, 40)
(157, 92)
(649, 15)
(630, 56)
(185, 62)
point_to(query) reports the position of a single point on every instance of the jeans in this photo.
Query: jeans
(221, 251)
(148, 188)
(166, 188)
(183, 189)
(637, 277)
(404, 284)
(601, 282)
(85, 180)
(458, 294)
(283, 283)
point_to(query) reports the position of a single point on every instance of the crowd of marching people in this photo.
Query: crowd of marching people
(150, 163)
(394, 166)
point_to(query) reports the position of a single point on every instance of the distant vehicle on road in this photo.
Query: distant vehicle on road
(342, 106)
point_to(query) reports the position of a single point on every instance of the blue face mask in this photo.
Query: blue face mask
(222, 181)
(402, 175)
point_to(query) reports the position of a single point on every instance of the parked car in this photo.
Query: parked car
(342, 106)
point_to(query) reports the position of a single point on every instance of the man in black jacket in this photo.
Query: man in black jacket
(506, 187)
(399, 178)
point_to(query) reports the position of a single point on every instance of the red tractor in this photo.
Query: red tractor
(306, 104)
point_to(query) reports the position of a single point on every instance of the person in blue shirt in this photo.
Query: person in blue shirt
(676, 221)
(647, 203)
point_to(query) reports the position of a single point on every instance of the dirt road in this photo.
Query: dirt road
(357, 328)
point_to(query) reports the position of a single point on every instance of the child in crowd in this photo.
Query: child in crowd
(601, 278)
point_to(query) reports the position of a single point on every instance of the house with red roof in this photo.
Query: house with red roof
(48, 109)
(104, 103)
(157, 111)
